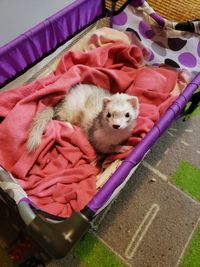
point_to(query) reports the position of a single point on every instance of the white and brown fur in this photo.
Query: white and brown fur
(106, 119)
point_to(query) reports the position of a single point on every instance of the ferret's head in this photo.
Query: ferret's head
(120, 111)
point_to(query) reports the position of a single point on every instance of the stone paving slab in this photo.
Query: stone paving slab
(180, 142)
(150, 222)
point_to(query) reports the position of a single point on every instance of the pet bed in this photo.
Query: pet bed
(156, 40)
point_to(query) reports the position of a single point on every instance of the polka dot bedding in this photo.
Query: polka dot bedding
(171, 43)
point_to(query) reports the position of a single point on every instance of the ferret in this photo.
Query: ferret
(106, 119)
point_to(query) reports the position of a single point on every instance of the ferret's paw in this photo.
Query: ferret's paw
(122, 149)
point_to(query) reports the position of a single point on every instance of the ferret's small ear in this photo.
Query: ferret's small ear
(106, 100)
(134, 101)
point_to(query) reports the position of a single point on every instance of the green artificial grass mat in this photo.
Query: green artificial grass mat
(196, 111)
(192, 255)
(92, 253)
(89, 251)
(187, 178)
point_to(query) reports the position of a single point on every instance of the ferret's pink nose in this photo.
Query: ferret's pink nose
(116, 126)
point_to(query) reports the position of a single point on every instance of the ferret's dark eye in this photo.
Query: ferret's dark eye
(127, 115)
(108, 115)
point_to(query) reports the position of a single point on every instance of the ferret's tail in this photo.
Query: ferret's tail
(38, 127)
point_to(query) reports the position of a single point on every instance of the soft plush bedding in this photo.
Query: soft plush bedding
(59, 177)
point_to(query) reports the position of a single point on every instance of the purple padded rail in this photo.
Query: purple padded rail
(160, 20)
(140, 150)
(44, 37)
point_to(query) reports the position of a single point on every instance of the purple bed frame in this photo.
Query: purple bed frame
(31, 46)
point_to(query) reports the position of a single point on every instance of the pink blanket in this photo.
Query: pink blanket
(58, 176)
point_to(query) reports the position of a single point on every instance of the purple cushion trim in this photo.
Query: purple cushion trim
(33, 44)
(27, 200)
(137, 3)
(158, 19)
